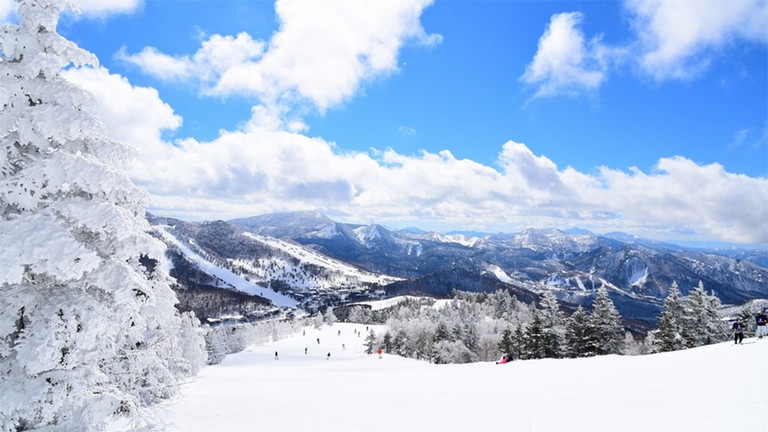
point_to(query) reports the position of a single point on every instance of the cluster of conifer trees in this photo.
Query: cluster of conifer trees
(482, 327)
(688, 321)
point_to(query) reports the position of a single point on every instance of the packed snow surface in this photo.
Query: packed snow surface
(500, 274)
(715, 388)
(393, 301)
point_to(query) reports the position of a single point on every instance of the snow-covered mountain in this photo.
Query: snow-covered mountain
(573, 263)
(284, 272)
(316, 260)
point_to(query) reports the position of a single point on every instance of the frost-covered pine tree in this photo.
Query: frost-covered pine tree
(534, 344)
(703, 322)
(553, 325)
(370, 342)
(329, 317)
(606, 325)
(579, 335)
(670, 335)
(88, 328)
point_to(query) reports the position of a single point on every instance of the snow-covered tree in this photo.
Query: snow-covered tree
(580, 335)
(606, 325)
(216, 344)
(318, 320)
(670, 335)
(359, 314)
(441, 335)
(88, 328)
(399, 343)
(534, 342)
(703, 322)
(553, 323)
(370, 342)
(506, 343)
(386, 342)
(329, 317)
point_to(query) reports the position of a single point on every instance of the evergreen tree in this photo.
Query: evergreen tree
(518, 343)
(535, 347)
(386, 343)
(358, 314)
(441, 335)
(580, 335)
(329, 317)
(553, 326)
(88, 328)
(370, 342)
(318, 320)
(505, 345)
(399, 344)
(703, 322)
(471, 337)
(670, 335)
(606, 325)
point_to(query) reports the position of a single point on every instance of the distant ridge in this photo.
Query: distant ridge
(571, 263)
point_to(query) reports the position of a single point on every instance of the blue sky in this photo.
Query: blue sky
(642, 116)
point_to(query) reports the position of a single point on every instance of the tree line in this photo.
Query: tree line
(483, 326)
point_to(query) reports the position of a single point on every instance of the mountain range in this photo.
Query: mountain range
(318, 262)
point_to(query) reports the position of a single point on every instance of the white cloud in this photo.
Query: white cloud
(269, 165)
(671, 39)
(7, 8)
(134, 115)
(215, 57)
(87, 8)
(322, 53)
(157, 64)
(101, 8)
(266, 167)
(678, 38)
(565, 62)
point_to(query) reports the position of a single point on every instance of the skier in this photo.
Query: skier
(504, 359)
(275, 355)
(761, 320)
(379, 352)
(305, 350)
(328, 356)
(738, 331)
(318, 341)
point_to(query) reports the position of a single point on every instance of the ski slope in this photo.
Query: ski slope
(716, 388)
(309, 256)
(229, 277)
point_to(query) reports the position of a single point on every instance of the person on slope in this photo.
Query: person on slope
(738, 331)
(761, 320)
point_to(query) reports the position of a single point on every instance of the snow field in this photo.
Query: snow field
(715, 388)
